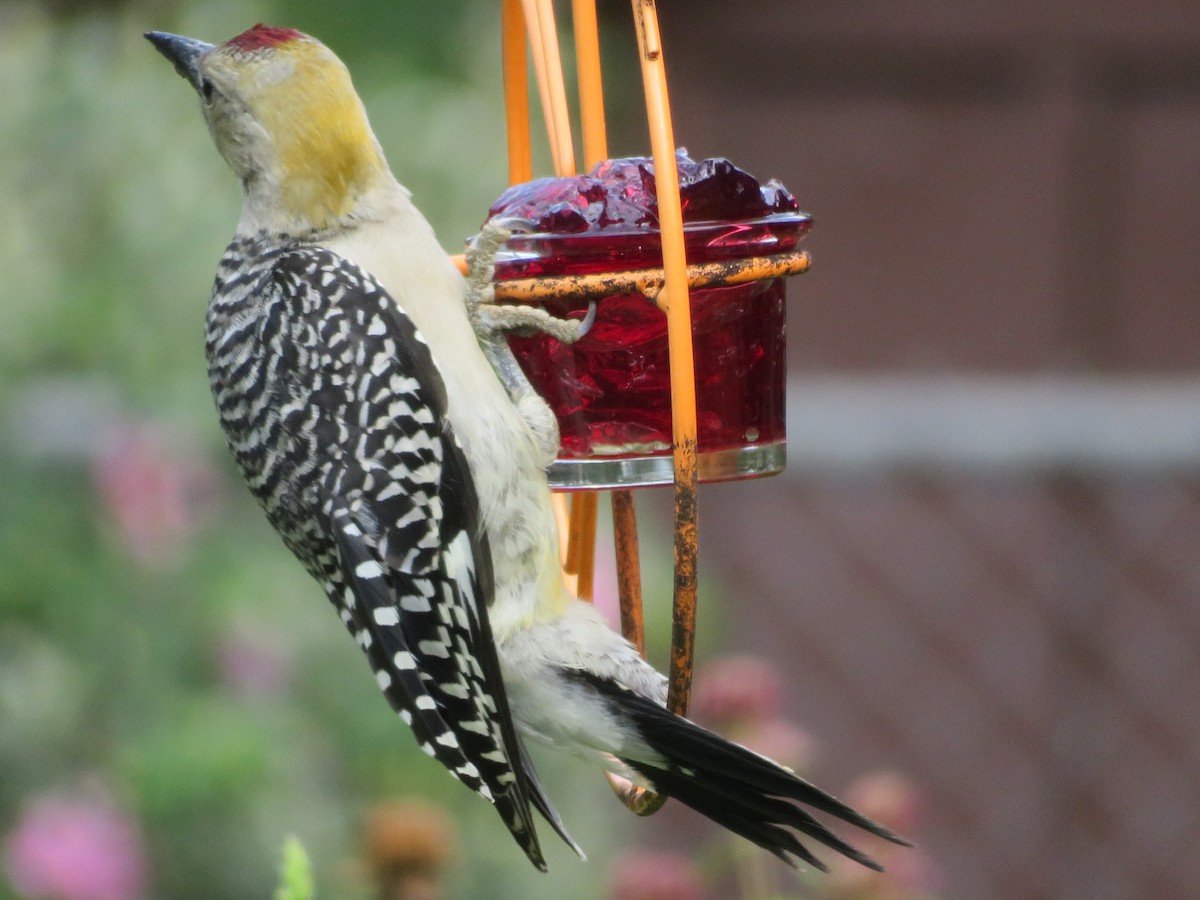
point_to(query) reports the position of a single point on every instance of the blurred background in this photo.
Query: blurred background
(970, 605)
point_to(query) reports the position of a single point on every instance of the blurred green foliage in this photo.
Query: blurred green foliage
(296, 873)
(157, 643)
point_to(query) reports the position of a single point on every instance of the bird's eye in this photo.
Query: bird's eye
(207, 90)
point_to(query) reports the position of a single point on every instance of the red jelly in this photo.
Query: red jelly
(611, 391)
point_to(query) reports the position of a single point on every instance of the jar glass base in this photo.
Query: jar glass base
(599, 474)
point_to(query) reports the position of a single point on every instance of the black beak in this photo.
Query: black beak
(183, 52)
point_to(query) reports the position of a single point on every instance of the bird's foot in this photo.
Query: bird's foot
(490, 319)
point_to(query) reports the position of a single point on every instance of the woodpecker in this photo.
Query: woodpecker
(377, 418)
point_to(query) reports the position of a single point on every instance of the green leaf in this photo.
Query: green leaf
(295, 876)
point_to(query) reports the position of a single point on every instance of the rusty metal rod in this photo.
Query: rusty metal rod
(650, 281)
(629, 581)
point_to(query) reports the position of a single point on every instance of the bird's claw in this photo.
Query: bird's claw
(489, 318)
(588, 320)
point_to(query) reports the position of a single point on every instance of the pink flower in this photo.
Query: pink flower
(889, 798)
(251, 662)
(740, 697)
(736, 691)
(781, 741)
(75, 848)
(156, 497)
(892, 800)
(655, 876)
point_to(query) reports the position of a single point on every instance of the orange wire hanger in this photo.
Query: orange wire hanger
(535, 20)
(529, 32)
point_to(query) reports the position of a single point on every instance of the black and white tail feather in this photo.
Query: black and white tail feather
(737, 788)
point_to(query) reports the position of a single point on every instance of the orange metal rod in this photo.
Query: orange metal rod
(562, 518)
(629, 581)
(520, 166)
(516, 92)
(531, 16)
(516, 101)
(674, 299)
(595, 148)
(591, 84)
(639, 800)
(543, 37)
(581, 548)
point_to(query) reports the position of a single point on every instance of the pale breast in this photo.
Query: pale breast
(505, 459)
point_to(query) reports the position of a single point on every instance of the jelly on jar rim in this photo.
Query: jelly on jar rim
(621, 195)
(607, 218)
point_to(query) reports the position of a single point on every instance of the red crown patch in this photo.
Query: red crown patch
(262, 37)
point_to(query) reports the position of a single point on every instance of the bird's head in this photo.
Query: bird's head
(284, 114)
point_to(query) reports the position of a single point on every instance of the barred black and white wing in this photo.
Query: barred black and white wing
(366, 483)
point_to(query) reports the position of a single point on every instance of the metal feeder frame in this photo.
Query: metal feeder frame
(529, 25)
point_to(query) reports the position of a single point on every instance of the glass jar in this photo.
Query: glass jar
(611, 391)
